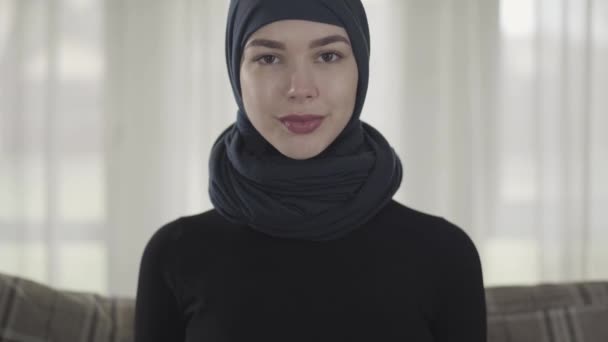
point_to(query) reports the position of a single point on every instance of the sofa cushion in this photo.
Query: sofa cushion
(32, 312)
(568, 312)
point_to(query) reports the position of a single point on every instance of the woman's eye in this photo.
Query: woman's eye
(328, 57)
(266, 59)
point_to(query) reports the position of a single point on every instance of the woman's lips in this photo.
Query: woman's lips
(302, 124)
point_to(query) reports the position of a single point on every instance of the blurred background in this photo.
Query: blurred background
(108, 110)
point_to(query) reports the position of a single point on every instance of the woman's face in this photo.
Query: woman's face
(304, 69)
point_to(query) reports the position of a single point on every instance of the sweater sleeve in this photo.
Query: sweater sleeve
(461, 306)
(157, 314)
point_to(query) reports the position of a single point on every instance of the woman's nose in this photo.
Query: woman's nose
(302, 84)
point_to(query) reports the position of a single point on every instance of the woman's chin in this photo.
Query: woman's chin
(300, 151)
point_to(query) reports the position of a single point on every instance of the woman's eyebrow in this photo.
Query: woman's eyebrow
(328, 40)
(273, 44)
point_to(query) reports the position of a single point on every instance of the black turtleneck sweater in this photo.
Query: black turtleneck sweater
(402, 276)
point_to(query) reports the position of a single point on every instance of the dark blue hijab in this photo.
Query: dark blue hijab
(317, 199)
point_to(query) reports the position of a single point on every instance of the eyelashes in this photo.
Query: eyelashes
(269, 59)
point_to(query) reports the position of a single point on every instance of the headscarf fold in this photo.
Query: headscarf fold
(318, 199)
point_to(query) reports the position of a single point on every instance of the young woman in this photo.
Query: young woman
(305, 242)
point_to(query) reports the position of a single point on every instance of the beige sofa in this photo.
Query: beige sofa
(568, 312)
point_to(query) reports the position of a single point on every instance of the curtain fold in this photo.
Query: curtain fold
(108, 110)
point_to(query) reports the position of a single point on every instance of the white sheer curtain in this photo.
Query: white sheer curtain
(108, 110)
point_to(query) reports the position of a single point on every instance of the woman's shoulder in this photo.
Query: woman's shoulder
(183, 227)
(405, 212)
(407, 216)
(437, 229)
(209, 224)
(197, 231)
(188, 238)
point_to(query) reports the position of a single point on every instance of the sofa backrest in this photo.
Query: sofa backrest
(33, 312)
(569, 312)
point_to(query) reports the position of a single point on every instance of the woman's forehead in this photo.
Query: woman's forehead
(297, 31)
